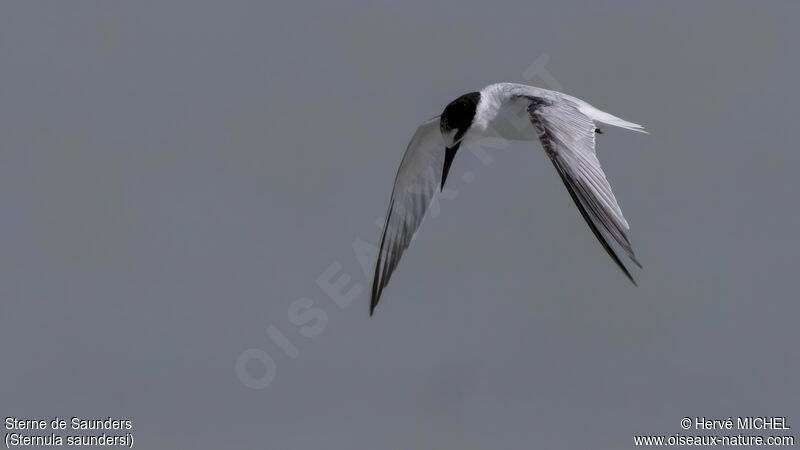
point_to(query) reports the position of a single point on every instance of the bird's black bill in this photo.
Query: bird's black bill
(449, 154)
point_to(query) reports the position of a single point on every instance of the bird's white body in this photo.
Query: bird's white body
(502, 112)
(500, 115)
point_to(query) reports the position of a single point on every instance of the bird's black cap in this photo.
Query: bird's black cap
(459, 113)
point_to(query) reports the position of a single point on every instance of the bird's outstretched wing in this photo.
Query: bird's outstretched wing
(417, 182)
(567, 135)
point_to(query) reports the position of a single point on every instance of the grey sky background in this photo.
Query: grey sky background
(173, 175)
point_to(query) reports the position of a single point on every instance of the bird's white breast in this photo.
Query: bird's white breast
(500, 113)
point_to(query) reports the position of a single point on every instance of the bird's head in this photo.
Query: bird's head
(454, 123)
(457, 118)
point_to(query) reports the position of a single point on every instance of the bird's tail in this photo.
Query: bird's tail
(604, 117)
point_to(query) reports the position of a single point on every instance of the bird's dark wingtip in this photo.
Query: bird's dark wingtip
(374, 298)
(592, 225)
(625, 270)
(373, 302)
